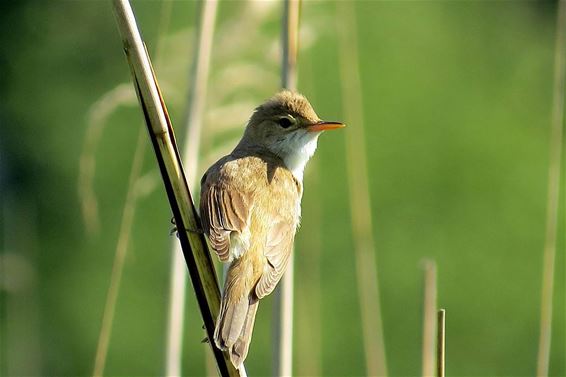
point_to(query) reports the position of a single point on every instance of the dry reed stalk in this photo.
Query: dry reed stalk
(283, 303)
(360, 203)
(290, 43)
(118, 264)
(441, 344)
(309, 318)
(162, 137)
(197, 96)
(195, 108)
(309, 362)
(128, 213)
(176, 314)
(429, 318)
(555, 142)
(99, 112)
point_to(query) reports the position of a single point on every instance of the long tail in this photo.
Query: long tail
(235, 325)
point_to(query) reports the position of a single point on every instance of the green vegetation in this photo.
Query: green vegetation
(457, 104)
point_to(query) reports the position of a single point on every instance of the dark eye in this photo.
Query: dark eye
(285, 122)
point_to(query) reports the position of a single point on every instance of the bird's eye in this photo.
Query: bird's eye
(285, 122)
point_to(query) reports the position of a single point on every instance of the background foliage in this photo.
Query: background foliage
(457, 102)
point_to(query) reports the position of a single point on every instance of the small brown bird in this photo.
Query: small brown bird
(251, 206)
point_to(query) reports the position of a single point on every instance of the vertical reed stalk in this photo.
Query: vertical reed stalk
(195, 108)
(309, 318)
(555, 142)
(195, 250)
(360, 203)
(309, 362)
(119, 258)
(128, 213)
(283, 307)
(429, 318)
(441, 344)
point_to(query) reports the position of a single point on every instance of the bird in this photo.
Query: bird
(250, 207)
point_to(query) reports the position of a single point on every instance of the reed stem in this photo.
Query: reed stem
(547, 290)
(360, 201)
(118, 265)
(195, 250)
(441, 344)
(195, 109)
(283, 303)
(128, 213)
(429, 318)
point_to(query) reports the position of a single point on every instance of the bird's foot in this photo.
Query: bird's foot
(190, 230)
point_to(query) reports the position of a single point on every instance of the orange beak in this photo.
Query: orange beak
(324, 126)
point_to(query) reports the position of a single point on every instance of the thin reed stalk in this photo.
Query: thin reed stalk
(547, 290)
(309, 317)
(122, 95)
(195, 108)
(119, 258)
(429, 318)
(283, 303)
(441, 344)
(360, 202)
(128, 213)
(197, 256)
(308, 345)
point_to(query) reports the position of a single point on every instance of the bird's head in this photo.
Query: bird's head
(287, 126)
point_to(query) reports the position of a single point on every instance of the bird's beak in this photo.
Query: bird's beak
(323, 126)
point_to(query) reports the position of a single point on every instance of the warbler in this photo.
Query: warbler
(251, 207)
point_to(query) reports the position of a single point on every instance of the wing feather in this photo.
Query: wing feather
(223, 212)
(277, 252)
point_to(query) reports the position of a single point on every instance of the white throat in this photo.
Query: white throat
(297, 150)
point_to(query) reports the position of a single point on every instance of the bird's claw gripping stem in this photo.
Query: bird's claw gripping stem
(176, 230)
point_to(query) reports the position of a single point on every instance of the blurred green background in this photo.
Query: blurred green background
(457, 100)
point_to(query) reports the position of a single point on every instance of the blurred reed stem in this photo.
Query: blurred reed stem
(429, 318)
(119, 258)
(198, 90)
(128, 213)
(193, 124)
(441, 344)
(283, 303)
(162, 137)
(309, 316)
(360, 202)
(547, 291)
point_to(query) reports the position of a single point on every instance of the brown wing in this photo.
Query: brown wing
(278, 249)
(223, 212)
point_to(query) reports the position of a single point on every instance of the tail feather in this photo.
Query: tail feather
(233, 322)
(234, 328)
(239, 351)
